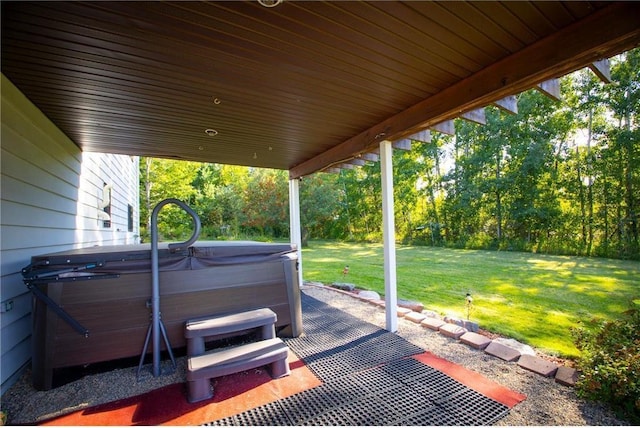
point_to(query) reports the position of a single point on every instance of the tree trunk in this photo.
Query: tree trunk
(582, 201)
(631, 216)
(605, 215)
(498, 198)
(589, 186)
(435, 238)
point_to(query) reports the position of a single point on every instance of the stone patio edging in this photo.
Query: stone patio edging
(456, 329)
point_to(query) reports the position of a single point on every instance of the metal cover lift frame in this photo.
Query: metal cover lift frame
(156, 327)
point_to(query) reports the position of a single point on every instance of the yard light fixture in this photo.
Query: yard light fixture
(469, 301)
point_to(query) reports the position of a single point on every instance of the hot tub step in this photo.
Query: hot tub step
(202, 368)
(196, 330)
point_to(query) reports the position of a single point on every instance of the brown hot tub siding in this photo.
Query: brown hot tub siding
(115, 313)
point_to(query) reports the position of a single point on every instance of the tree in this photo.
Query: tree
(267, 207)
(624, 101)
(585, 97)
(221, 202)
(321, 202)
(162, 179)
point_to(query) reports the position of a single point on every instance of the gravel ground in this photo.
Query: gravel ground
(547, 403)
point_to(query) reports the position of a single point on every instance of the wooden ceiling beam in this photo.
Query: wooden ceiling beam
(357, 162)
(602, 69)
(423, 136)
(550, 88)
(404, 144)
(610, 31)
(446, 127)
(508, 104)
(372, 157)
(476, 116)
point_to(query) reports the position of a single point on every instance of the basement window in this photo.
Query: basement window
(130, 218)
(105, 206)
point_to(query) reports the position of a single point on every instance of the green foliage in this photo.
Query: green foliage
(267, 209)
(161, 179)
(231, 201)
(479, 241)
(535, 298)
(561, 178)
(610, 362)
(322, 212)
(557, 177)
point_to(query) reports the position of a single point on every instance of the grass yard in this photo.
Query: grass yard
(532, 298)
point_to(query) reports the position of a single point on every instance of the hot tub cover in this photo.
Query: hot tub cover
(121, 259)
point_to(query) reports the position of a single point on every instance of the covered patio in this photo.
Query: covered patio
(306, 87)
(255, 396)
(345, 371)
(301, 86)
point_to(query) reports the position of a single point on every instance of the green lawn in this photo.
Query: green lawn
(530, 297)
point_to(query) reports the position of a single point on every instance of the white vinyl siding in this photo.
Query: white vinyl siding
(49, 201)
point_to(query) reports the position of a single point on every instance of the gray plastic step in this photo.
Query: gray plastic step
(196, 330)
(202, 368)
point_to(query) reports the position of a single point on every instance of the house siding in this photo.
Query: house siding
(51, 197)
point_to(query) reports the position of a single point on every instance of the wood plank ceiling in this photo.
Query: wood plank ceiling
(299, 86)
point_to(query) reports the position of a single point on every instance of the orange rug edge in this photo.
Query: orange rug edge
(473, 380)
(135, 410)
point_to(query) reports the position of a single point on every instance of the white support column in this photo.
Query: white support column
(389, 238)
(294, 221)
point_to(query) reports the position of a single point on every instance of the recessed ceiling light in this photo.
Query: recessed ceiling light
(211, 132)
(270, 3)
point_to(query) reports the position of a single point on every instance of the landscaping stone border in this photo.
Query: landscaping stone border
(475, 340)
(466, 332)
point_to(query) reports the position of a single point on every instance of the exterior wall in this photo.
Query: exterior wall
(52, 199)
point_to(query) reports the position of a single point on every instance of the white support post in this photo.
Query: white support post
(389, 238)
(294, 221)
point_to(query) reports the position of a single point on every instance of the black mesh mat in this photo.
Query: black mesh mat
(336, 344)
(368, 381)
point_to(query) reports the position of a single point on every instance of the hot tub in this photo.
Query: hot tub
(92, 305)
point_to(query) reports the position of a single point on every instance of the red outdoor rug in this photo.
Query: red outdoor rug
(473, 380)
(169, 406)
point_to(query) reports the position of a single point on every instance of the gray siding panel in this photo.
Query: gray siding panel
(21, 326)
(14, 360)
(14, 213)
(49, 201)
(45, 179)
(22, 193)
(34, 237)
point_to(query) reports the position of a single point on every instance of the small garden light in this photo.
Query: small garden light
(469, 301)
